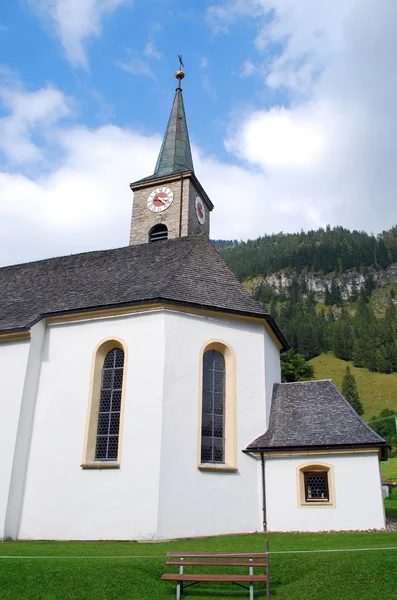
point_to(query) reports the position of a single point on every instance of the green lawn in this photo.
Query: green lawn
(389, 469)
(377, 390)
(132, 571)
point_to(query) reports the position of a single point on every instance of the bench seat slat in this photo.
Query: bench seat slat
(216, 563)
(215, 555)
(230, 578)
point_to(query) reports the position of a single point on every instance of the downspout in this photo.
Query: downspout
(263, 493)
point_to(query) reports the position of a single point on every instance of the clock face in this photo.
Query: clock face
(160, 199)
(200, 210)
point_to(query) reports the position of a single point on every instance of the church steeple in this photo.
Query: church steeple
(175, 154)
(171, 202)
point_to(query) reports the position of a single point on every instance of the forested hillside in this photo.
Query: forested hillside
(329, 290)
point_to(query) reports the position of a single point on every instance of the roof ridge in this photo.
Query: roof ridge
(356, 413)
(86, 252)
(307, 381)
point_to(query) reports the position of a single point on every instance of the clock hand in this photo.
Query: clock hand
(161, 199)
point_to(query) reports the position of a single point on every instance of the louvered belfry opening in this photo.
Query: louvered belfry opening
(158, 233)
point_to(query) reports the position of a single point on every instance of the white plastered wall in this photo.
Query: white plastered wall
(358, 497)
(64, 501)
(192, 502)
(272, 370)
(13, 361)
(158, 492)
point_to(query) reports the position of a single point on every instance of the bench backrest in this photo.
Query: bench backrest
(216, 559)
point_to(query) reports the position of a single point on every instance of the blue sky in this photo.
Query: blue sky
(290, 107)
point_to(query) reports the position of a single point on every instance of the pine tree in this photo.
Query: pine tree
(349, 390)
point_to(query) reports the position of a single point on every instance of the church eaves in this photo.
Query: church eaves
(185, 271)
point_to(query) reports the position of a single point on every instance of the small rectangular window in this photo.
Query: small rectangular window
(316, 486)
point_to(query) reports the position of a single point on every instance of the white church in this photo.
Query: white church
(140, 392)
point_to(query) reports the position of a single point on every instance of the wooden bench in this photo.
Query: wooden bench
(205, 559)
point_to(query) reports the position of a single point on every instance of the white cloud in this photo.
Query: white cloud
(330, 154)
(203, 62)
(136, 66)
(151, 50)
(75, 21)
(81, 200)
(327, 157)
(248, 69)
(220, 17)
(29, 112)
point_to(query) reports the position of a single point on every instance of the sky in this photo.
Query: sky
(291, 109)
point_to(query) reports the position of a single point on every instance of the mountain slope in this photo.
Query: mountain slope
(377, 390)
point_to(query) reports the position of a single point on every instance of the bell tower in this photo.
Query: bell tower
(171, 203)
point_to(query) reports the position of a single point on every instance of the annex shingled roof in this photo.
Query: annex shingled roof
(313, 414)
(186, 270)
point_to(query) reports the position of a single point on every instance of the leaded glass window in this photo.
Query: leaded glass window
(213, 412)
(316, 486)
(107, 439)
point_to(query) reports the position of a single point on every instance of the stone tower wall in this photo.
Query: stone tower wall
(144, 219)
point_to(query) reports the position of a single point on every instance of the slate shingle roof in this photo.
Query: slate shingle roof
(185, 271)
(313, 414)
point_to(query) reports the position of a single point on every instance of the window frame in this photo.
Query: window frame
(310, 469)
(230, 428)
(101, 350)
(324, 475)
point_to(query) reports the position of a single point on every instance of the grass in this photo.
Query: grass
(389, 469)
(133, 572)
(377, 390)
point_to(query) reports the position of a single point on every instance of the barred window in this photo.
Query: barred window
(316, 486)
(107, 438)
(213, 408)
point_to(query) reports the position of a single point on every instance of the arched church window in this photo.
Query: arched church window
(213, 408)
(102, 447)
(158, 232)
(107, 438)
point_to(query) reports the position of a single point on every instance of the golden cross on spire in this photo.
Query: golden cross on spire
(180, 74)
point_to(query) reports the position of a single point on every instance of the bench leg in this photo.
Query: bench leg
(179, 586)
(251, 572)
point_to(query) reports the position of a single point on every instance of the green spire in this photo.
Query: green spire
(175, 153)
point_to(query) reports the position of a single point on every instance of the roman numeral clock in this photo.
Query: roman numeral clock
(160, 199)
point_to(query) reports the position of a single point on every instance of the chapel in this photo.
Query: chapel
(141, 397)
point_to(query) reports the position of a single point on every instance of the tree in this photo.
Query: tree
(295, 368)
(349, 390)
(385, 425)
(342, 343)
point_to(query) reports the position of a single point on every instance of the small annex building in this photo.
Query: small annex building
(140, 393)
